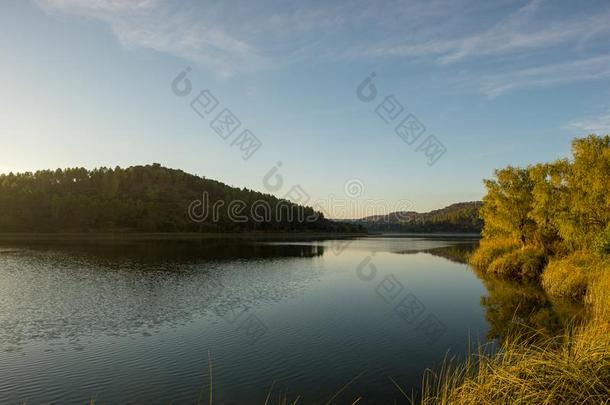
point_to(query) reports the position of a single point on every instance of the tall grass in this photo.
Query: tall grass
(570, 369)
(598, 296)
(490, 250)
(569, 277)
(506, 258)
(573, 368)
(519, 264)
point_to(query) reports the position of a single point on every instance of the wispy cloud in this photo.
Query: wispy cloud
(525, 29)
(520, 31)
(550, 74)
(592, 125)
(92, 7)
(238, 37)
(160, 25)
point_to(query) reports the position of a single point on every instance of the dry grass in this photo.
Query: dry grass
(572, 369)
(519, 264)
(569, 277)
(569, 369)
(489, 250)
(598, 295)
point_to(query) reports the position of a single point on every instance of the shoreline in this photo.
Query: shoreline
(185, 236)
(141, 236)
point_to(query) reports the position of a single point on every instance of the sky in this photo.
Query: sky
(487, 83)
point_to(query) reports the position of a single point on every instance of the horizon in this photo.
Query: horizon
(98, 84)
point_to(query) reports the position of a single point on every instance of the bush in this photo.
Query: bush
(601, 245)
(568, 277)
(520, 264)
(489, 250)
(598, 293)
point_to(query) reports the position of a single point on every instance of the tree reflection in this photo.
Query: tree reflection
(511, 306)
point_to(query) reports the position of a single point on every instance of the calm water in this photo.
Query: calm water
(137, 322)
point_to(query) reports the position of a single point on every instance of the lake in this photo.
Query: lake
(143, 321)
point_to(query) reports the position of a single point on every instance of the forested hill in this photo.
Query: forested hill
(148, 198)
(459, 218)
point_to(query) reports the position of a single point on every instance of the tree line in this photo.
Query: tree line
(147, 198)
(460, 217)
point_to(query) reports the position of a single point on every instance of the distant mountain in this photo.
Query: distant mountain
(460, 217)
(148, 198)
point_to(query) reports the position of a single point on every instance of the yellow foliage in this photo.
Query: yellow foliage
(524, 263)
(558, 212)
(598, 294)
(489, 250)
(568, 277)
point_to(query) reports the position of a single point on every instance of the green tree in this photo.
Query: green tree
(507, 205)
(136, 199)
(589, 183)
(551, 201)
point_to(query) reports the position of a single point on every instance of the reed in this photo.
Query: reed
(490, 250)
(529, 368)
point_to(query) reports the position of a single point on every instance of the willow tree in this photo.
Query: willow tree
(508, 204)
(589, 184)
(551, 202)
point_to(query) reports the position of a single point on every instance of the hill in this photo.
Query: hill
(460, 217)
(147, 198)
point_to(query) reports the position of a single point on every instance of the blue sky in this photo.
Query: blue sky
(88, 83)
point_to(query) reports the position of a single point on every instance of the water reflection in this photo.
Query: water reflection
(511, 306)
(50, 291)
(169, 251)
(68, 292)
(457, 253)
(143, 316)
